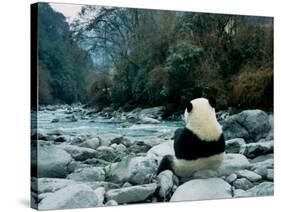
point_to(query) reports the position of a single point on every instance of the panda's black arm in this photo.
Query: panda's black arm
(181, 142)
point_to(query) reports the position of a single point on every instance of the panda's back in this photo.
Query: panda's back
(189, 146)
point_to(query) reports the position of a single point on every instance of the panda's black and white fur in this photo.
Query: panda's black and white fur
(198, 146)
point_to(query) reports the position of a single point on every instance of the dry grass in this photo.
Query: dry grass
(253, 88)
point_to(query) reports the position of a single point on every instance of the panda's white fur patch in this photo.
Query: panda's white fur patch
(186, 168)
(202, 121)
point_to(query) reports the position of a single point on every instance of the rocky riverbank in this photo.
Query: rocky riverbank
(76, 168)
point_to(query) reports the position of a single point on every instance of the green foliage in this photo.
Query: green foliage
(63, 66)
(168, 58)
(181, 67)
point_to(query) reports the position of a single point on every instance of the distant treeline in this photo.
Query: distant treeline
(148, 57)
(63, 67)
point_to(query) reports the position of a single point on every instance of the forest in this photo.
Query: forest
(127, 57)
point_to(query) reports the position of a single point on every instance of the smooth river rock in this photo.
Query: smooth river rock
(72, 196)
(251, 125)
(51, 160)
(202, 189)
(89, 174)
(137, 170)
(131, 194)
(233, 163)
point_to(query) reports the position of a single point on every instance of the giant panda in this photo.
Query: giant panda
(198, 146)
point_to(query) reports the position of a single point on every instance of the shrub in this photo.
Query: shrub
(253, 88)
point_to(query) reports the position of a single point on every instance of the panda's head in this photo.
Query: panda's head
(200, 118)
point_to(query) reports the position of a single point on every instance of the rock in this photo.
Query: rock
(242, 183)
(262, 158)
(270, 175)
(231, 178)
(107, 139)
(233, 163)
(203, 174)
(43, 195)
(202, 189)
(139, 147)
(55, 120)
(136, 193)
(79, 153)
(154, 112)
(100, 192)
(92, 143)
(251, 125)
(133, 114)
(47, 185)
(49, 160)
(234, 145)
(253, 150)
(72, 196)
(137, 170)
(147, 120)
(127, 184)
(107, 153)
(97, 184)
(121, 148)
(263, 189)
(111, 203)
(71, 118)
(268, 164)
(76, 165)
(165, 179)
(61, 138)
(241, 193)
(161, 150)
(57, 132)
(97, 162)
(78, 140)
(87, 174)
(250, 175)
(262, 171)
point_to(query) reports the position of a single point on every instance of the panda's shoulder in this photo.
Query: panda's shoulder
(183, 133)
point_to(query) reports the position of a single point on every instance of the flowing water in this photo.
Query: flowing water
(86, 125)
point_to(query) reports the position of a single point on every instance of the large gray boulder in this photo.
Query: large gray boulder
(233, 163)
(242, 183)
(107, 153)
(234, 145)
(250, 175)
(46, 185)
(131, 194)
(92, 143)
(137, 170)
(253, 150)
(79, 153)
(263, 189)
(161, 150)
(251, 125)
(268, 164)
(51, 161)
(72, 196)
(90, 174)
(202, 189)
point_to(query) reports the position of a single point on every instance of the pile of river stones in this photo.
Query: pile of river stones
(106, 170)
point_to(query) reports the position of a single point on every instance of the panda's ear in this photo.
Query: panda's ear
(189, 106)
(212, 102)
